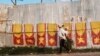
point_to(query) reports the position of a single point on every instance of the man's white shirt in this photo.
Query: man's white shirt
(62, 32)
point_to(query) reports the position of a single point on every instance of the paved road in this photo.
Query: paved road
(64, 54)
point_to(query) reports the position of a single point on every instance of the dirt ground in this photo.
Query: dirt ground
(64, 54)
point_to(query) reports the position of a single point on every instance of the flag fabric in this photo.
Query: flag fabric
(29, 34)
(41, 34)
(95, 32)
(81, 36)
(17, 34)
(69, 27)
(52, 34)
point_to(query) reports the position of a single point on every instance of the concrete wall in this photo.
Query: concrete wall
(46, 13)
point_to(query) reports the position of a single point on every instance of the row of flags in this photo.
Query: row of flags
(48, 35)
(30, 39)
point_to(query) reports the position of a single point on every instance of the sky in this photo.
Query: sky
(30, 1)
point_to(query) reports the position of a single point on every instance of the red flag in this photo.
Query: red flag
(18, 39)
(17, 34)
(52, 34)
(41, 35)
(95, 26)
(81, 37)
(29, 35)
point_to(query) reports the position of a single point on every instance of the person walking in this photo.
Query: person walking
(68, 42)
(62, 33)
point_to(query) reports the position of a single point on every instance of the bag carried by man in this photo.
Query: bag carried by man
(68, 43)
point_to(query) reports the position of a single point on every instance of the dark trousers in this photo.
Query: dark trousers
(62, 45)
(69, 44)
(65, 44)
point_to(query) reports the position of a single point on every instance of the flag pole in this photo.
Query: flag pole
(71, 11)
(41, 6)
(82, 8)
(93, 6)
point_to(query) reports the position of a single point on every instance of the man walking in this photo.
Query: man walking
(68, 42)
(62, 33)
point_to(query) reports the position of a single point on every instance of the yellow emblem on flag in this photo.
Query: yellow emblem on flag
(41, 40)
(51, 40)
(18, 35)
(30, 41)
(29, 30)
(52, 28)
(81, 40)
(17, 28)
(18, 41)
(41, 29)
(80, 27)
(95, 27)
(97, 40)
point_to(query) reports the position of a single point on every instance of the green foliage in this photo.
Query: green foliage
(37, 50)
(25, 50)
(5, 50)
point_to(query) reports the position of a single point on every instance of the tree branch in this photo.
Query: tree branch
(13, 2)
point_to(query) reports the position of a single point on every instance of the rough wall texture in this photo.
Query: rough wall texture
(46, 13)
